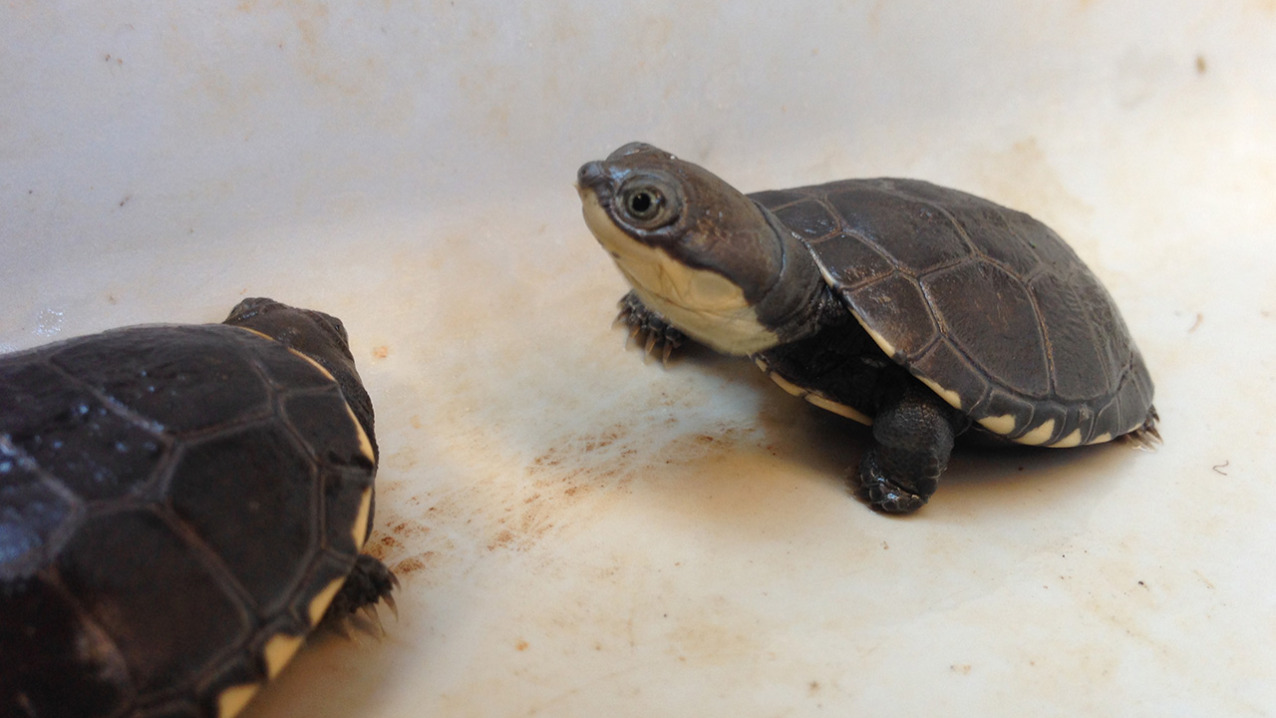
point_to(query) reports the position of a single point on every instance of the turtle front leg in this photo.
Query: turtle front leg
(912, 440)
(648, 327)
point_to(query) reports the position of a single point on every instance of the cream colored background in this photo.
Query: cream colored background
(580, 534)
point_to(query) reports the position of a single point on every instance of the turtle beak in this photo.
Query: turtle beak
(591, 178)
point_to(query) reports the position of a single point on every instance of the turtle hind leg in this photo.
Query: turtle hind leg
(1146, 436)
(654, 332)
(368, 584)
(912, 440)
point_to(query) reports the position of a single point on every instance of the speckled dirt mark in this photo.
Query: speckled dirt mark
(399, 542)
(522, 524)
(561, 488)
(528, 478)
(580, 464)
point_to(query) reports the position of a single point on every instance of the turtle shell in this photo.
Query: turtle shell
(178, 506)
(986, 305)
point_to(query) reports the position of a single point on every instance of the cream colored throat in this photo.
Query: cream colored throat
(705, 305)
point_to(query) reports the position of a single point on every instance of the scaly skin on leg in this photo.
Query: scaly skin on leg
(913, 438)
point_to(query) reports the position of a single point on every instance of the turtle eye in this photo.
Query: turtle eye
(644, 203)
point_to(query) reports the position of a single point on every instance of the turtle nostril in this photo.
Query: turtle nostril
(590, 174)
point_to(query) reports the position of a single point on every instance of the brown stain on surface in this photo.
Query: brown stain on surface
(580, 464)
(408, 530)
(528, 477)
(376, 546)
(502, 540)
(399, 538)
(568, 484)
(412, 564)
(386, 547)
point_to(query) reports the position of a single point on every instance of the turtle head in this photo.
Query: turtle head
(321, 337)
(695, 249)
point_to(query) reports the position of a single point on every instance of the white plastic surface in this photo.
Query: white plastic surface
(582, 534)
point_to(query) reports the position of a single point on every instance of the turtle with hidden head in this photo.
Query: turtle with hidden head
(180, 505)
(918, 309)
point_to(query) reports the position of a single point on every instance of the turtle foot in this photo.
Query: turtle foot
(648, 328)
(1146, 437)
(354, 606)
(913, 438)
(883, 493)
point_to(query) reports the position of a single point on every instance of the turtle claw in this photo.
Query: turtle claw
(657, 336)
(363, 621)
(884, 494)
(363, 626)
(369, 621)
(622, 317)
(354, 606)
(341, 628)
(1147, 437)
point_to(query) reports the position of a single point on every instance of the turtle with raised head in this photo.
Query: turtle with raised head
(180, 505)
(921, 310)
